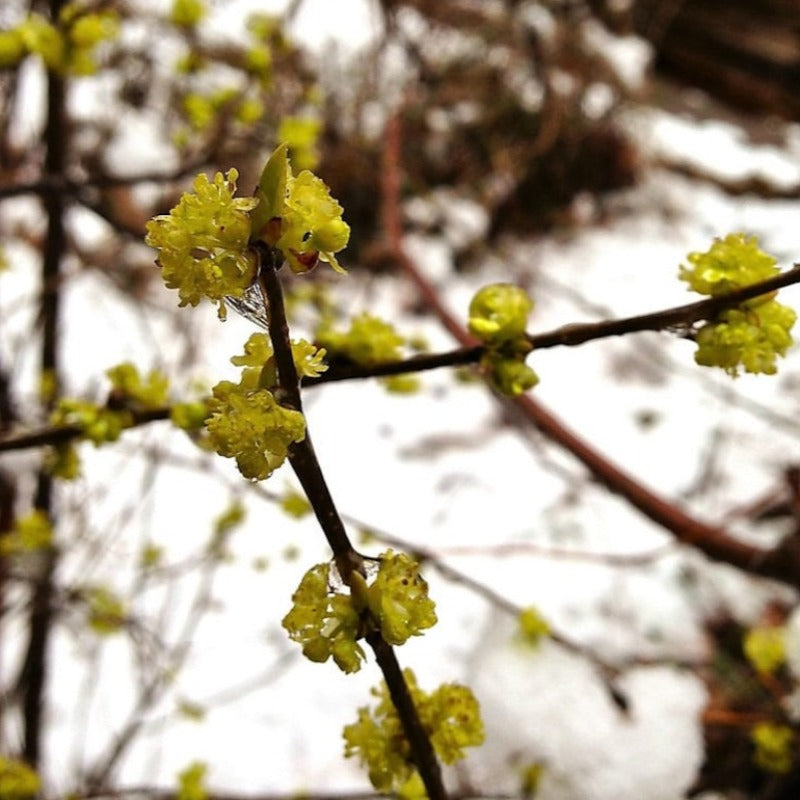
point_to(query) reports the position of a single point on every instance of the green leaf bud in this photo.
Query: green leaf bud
(510, 376)
(187, 13)
(499, 313)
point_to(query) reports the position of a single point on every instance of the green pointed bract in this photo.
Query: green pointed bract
(271, 194)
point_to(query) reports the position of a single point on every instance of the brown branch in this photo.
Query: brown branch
(678, 317)
(307, 468)
(568, 335)
(61, 434)
(301, 454)
(57, 183)
(781, 563)
(32, 681)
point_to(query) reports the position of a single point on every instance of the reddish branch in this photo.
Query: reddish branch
(781, 563)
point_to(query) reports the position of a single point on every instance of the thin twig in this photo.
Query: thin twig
(306, 466)
(677, 317)
(568, 335)
(301, 455)
(781, 563)
(680, 317)
(33, 677)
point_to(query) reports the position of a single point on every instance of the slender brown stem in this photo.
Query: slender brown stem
(301, 454)
(61, 434)
(418, 740)
(32, 680)
(678, 317)
(307, 468)
(681, 317)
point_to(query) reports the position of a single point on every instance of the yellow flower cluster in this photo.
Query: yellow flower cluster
(450, 716)
(498, 315)
(329, 623)
(246, 422)
(203, 242)
(29, 533)
(298, 216)
(369, 341)
(774, 747)
(765, 648)
(325, 622)
(130, 392)
(68, 47)
(105, 611)
(312, 228)
(398, 599)
(192, 782)
(532, 625)
(17, 780)
(755, 333)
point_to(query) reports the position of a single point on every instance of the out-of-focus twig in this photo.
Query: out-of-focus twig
(781, 563)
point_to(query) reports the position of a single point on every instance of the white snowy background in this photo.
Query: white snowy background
(440, 470)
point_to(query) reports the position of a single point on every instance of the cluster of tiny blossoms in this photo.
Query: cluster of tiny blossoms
(774, 747)
(203, 242)
(498, 315)
(369, 340)
(17, 780)
(68, 47)
(130, 393)
(312, 227)
(450, 716)
(328, 623)
(752, 335)
(245, 420)
(207, 248)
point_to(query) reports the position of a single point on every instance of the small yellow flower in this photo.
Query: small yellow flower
(203, 242)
